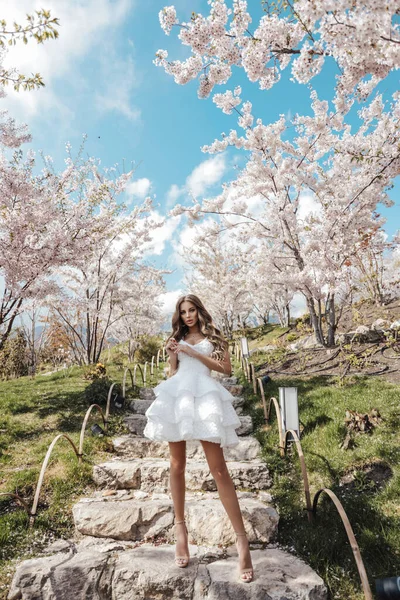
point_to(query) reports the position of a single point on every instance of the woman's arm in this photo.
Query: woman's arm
(222, 366)
(173, 364)
(173, 357)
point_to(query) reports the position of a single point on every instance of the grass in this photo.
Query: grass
(32, 413)
(366, 479)
(265, 335)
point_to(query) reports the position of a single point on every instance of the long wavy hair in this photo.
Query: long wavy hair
(206, 326)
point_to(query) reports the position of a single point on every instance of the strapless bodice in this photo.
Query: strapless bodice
(193, 364)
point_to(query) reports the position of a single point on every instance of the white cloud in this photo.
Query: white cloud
(119, 80)
(139, 188)
(183, 243)
(82, 27)
(308, 206)
(169, 300)
(298, 305)
(206, 174)
(158, 235)
(161, 235)
(174, 193)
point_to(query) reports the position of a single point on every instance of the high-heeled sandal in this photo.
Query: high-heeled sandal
(245, 575)
(182, 561)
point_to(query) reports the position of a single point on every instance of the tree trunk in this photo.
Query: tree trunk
(331, 320)
(287, 315)
(315, 321)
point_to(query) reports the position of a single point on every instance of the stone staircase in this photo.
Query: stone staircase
(123, 548)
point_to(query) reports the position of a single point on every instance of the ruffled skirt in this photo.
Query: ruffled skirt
(192, 406)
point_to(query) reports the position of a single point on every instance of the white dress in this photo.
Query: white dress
(192, 405)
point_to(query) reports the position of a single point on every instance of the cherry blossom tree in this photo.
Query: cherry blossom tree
(368, 261)
(217, 271)
(342, 173)
(310, 249)
(101, 283)
(392, 271)
(268, 291)
(67, 228)
(53, 345)
(363, 38)
(34, 317)
(47, 221)
(139, 313)
(389, 271)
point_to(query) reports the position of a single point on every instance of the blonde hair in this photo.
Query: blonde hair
(206, 325)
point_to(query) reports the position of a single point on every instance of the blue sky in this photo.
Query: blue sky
(101, 81)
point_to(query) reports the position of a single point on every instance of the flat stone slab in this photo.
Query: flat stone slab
(152, 475)
(135, 423)
(63, 576)
(149, 572)
(277, 576)
(139, 447)
(238, 402)
(147, 394)
(246, 427)
(224, 379)
(139, 405)
(234, 388)
(149, 516)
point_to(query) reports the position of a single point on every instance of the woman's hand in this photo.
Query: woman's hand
(186, 349)
(171, 347)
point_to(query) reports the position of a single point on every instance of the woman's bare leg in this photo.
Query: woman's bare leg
(227, 493)
(177, 485)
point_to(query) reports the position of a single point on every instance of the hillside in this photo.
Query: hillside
(366, 312)
(368, 343)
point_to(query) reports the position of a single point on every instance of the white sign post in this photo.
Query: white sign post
(289, 410)
(245, 347)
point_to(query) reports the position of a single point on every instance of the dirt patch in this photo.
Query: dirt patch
(371, 476)
(379, 359)
(366, 312)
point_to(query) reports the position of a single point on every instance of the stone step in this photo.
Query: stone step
(138, 515)
(148, 571)
(224, 379)
(146, 393)
(136, 423)
(130, 446)
(152, 475)
(234, 388)
(140, 405)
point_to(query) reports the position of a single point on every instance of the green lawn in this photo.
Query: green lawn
(373, 508)
(265, 335)
(32, 413)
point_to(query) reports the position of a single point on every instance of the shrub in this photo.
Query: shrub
(13, 356)
(291, 337)
(149, 346)
(119, 358)
(97, 371)
(303, 324)
(97, 391)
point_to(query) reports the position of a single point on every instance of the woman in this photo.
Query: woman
(192, 405)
